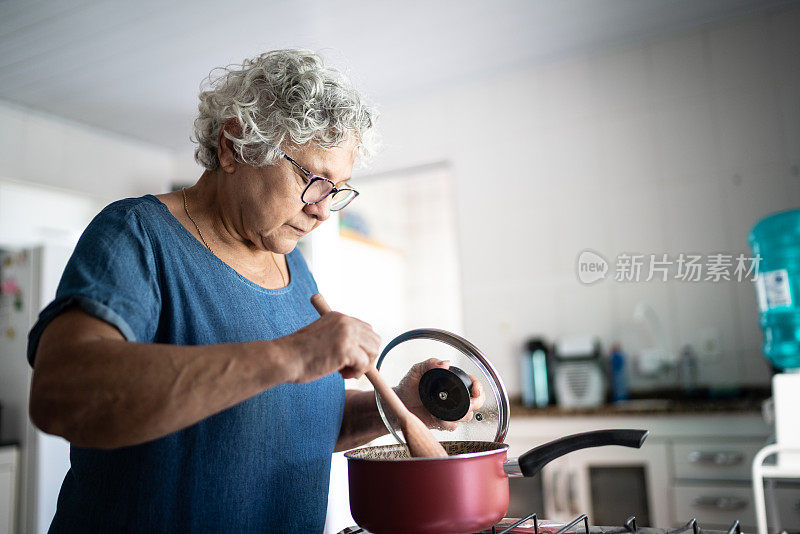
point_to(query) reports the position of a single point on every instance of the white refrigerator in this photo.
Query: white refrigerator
(29, 277)
(39, 227)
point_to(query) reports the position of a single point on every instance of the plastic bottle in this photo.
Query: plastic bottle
(619, 379)
(687, 369)
(777, 240)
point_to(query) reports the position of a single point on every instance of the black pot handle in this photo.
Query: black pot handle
(532, 461)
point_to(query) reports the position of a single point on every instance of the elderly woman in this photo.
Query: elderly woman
(181, 358)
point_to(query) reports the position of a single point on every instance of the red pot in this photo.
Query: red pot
(465, 492)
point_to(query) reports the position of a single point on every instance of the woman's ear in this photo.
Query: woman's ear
(226, 153)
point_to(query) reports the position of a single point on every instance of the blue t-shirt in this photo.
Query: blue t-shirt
(260, 466)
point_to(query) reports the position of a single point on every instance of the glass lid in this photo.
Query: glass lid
(445, 366)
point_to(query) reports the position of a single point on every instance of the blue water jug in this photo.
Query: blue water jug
(777, 240)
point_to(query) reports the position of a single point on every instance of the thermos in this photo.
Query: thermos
(535, 374)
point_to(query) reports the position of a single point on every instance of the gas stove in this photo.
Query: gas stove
(580, 525)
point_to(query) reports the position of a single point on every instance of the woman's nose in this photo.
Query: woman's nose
(321, 210)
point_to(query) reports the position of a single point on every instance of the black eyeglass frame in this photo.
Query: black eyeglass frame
(311, 177)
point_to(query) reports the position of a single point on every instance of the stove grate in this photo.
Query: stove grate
(630, 527)
(582, 517)
(518, 523)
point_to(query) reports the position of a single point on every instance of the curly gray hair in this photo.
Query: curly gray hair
(277, 97)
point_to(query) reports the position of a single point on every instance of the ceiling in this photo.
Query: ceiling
(134, 68)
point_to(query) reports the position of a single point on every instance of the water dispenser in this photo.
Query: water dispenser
(776, 239)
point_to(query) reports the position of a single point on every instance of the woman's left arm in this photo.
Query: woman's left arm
(361, 422)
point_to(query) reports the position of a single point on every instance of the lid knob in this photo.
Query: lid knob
(445, 393)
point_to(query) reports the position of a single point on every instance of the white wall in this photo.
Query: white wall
(47, 150)
(675, 145)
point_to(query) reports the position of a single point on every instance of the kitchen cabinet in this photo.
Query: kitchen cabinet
(8, 488)
(717, 505)
(690, 466)
(714, 460)
(712, 480)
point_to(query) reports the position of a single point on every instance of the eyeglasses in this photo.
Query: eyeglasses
(318, 188)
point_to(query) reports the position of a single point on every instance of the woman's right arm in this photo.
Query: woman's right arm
(96, 389)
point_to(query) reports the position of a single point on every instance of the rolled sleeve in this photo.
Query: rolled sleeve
(111, 275)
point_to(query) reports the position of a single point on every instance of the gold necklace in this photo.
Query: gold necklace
(283, 280)
(186, 209)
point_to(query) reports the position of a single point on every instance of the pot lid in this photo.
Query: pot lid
(444, 390)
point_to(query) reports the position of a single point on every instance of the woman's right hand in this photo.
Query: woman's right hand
(334, 342)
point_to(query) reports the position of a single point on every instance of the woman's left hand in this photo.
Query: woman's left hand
(408, 391)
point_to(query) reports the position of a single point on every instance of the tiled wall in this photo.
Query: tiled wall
(675, 145)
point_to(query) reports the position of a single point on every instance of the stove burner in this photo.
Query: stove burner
(531, 524)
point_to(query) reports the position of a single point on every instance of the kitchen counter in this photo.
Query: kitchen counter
(678, 461)
(664, 403)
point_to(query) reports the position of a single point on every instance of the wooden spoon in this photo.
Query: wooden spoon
(419, 438)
